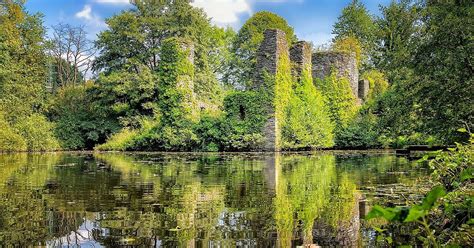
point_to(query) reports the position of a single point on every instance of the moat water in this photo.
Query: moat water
(198, 200)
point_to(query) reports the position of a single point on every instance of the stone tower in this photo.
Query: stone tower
(363, 89)
(300, 56)
(177, 56)
(272, 50)
(344, 63)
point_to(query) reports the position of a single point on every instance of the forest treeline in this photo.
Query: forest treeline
(416, 55)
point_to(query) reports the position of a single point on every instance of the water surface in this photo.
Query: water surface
(197, 200)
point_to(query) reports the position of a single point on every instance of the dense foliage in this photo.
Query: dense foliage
(246, 43)
(308, 123)
(339, 99)
(81, 120)
(424, 51)
(167, 79)
(23, 74)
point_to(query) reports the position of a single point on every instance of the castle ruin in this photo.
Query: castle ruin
(272, 50)
(344, 64)
(274, 47)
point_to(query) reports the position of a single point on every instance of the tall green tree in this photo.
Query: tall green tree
(248, 41)
(23, 70)
(134, 37)
(398, 26)
(23, 73)
(356, 21)
(134, 41)
(444, 64)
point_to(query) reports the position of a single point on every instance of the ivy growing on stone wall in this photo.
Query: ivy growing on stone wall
(246, 114)
(172, 127)
(339, 99)
(284, 90)
(176, 72)
(307, 122)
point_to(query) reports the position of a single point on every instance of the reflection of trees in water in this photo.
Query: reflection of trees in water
(116, 199)
(132, 200)
(188, 200)
(373, 169)
(25, 217)
(308, 190)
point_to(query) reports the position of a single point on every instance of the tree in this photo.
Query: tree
(82, 116)
(72, 53)
(22, 61)
(23, 74)
(248, 41)
(127, 96)
(355, 21)
(134, 37)
(398, 27)
(443, 62)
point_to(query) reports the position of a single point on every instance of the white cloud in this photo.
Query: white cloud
(227, 12)
(113, 1)
(93, 22)
(85, 13)
(224, 12)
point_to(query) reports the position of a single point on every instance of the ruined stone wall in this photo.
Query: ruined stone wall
(363, 89)
(270, 77)
(272, 50)
(344, 63)
(300, 56)
(273, 46)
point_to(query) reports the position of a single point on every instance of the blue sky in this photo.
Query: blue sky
(311, 19)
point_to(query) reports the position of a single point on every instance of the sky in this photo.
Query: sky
(311, 19)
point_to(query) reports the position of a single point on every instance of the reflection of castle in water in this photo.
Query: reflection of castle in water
(253, 200)
(313, 206)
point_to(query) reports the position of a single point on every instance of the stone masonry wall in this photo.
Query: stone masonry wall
(272, 48)
(363, 89)
(300, 56)
(344, 63)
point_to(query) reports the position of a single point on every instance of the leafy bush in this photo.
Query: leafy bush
(81, 121)
(122, 141)
(209, 133)
(38, 133)
(166, 138)
(362, 132)
(10, 140)
(126, 95)
(339, 99)
(307, 123)
(245, 117)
